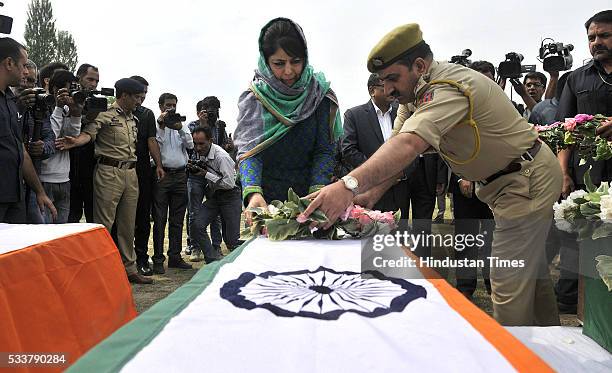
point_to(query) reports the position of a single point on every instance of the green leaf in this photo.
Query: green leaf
(588, 182)
(604, 230)
(293, 197)
(282, 229)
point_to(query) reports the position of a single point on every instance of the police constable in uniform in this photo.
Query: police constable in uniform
(115, 181)
(467, 119)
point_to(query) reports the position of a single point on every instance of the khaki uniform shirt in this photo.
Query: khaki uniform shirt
(114, 134)
(439, 116)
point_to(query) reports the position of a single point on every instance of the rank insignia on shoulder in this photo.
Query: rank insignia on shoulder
(427, 97)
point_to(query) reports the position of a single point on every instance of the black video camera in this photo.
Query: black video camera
(556, 56)
(43, 100)
(511, 68)
(6, 23)
(462, 59)
(173, 117)
(91, 103)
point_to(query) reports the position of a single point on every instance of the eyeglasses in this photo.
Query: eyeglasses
(535, 85)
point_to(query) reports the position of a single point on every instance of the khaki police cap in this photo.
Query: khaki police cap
(394, 45)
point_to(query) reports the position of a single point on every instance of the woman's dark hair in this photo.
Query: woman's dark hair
(282, 33)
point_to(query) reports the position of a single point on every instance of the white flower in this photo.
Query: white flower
(577, 194)
(605, 204)
(273, 210)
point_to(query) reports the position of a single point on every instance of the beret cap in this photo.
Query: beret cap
(394, 45)
(129, 86)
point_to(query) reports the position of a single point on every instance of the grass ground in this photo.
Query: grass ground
(146, 296)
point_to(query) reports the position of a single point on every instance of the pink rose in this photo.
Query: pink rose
(581, 118)
(301, 219)
(570, 124)
(264, 231)
(365, 219)
(356, 212)
(388, 217)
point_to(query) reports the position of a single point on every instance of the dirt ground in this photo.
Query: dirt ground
(146, 296)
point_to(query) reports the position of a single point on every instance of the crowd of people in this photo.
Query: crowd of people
(428, 128)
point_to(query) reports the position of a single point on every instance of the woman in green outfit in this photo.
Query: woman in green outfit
(288, 121)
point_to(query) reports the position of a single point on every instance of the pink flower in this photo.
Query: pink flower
(301, 219)
(547, 127)
(388, 217)
(570, 124)
(365, 219)
(347, 213)
(264, 231)
(581, 118)
(356, 212)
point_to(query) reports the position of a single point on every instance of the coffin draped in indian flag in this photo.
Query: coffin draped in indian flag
(304, 306)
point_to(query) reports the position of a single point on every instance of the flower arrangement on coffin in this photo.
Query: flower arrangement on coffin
(588, 213)
(282, 220)
(580, 132)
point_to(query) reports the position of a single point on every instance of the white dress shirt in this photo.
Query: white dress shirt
(385, 122)
(173, 146)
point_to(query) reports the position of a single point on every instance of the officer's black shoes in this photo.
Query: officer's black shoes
(137, 278)
(158, 268)
(178, 263)
(210, 260)
(144, 269)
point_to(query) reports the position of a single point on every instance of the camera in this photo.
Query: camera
(556, 56)
(462, 59)
(173, 117)
(196, 165)
(511, 68)
(91, 103)
(6, 23)
(44, 100)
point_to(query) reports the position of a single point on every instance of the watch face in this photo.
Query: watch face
(351, 182)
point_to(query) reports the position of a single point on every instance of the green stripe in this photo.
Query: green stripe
(114, 352)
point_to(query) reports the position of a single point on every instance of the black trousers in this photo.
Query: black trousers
(142, 231)
(13, 212)
(82, 164)
(473, 217)
(423, 200)
(169, 205)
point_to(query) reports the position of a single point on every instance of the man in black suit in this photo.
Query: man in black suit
(366, 128)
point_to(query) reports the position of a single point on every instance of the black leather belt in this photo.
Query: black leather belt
(515, 166)
(116, 163)
(171, 170)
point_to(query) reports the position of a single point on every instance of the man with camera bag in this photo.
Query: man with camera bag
(223, 197)
(115, 184)
(170, 193)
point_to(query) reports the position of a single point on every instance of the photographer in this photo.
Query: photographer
(207, 111)
(82, 162)
(16, 162)
(223, 197)
(65, 121)
(47, 71)
(170, 193)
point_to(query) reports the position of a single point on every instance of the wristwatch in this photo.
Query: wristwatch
(351, 184)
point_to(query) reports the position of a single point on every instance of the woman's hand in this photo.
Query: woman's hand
(255, 200)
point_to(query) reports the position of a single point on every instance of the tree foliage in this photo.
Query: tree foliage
(44, 42)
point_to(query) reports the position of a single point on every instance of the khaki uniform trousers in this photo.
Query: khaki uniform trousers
(115, 200)
(522, 204)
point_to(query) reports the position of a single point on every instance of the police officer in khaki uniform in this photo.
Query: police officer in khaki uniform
(468, 120)
(115, 181)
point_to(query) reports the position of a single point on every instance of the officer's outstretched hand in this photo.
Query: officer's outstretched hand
(333, 200)
(605, 129)
(65, 143)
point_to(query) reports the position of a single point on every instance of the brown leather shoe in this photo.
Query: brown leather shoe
(137, 278)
